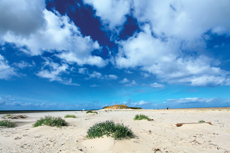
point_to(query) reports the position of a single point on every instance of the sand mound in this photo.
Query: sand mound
(99, 144)
(14, 116)
(116, 107)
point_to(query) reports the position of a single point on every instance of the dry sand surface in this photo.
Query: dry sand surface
(160, 135)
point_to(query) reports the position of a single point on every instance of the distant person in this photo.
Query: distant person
(167, 108)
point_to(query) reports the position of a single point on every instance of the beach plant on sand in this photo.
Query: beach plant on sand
(141, 117)
(109, 128)
(7, 123)
(201, 121)
(10, 116)
(50, 121)
(70, 116)
(91, 112)
(7, 115)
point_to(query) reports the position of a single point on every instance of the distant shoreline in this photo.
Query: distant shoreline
(36, 111)
(40, 111)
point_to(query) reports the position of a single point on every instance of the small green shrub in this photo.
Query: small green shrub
(109, 128)
(7, 123)
(107, 111)
(50, 121)
(201, 121)
(135, 108)
(25, 116)
(91, 112)
(70, 116)
(7, 115)
(10, 116)
(141, 117)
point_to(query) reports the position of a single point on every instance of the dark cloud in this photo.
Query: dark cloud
(21, 17)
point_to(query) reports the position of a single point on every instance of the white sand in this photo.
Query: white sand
(164, 135)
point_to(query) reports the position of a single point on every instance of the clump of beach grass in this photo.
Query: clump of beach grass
(50, 121)
(7, 123)
(11, 116)
(109, 128)
(91, 112)
(201, 121)
(107, 111)
(7, 115)
(141, 117)
(70, 116)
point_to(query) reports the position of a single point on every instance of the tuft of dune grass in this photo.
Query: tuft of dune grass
(141, 117)
(50, 121)
(7, 123)
(201, 121)
(109, 128)
(91, 112)
(70, 116)
(10, 116)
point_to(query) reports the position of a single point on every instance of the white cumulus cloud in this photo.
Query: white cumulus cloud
(52, 32)
(167, 62)
(111, 77)
(125, 80)
(23, 64)
(6, 71)
(133, 83)
(112, 13)
(53, 72)
(156, 85)
(95, 75)
(184, 19)
(193, 100)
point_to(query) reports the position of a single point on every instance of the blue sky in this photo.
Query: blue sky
(87, 54)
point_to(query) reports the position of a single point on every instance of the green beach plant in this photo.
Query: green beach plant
(201, 121)
(141, 117)
(70, 116)
(7, 115)
(11, 116)
(91, 112)
(50, 121)
(135, 108)
(7, 123)
(109, 128)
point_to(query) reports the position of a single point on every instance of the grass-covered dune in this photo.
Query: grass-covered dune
(120, 107)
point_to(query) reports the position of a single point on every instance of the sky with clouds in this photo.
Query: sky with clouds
(87, 54)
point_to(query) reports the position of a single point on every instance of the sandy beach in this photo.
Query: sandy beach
(159, 135)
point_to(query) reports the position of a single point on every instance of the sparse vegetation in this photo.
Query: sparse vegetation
(135, 108)
(91, 112)
(10, 116)
(109, 128)
(70, 116)
(108, 111)
(141, 117)
(116, 107)
(7, 115)
(201, 121)
(120, 107)
(7, 123)
(51, 121)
